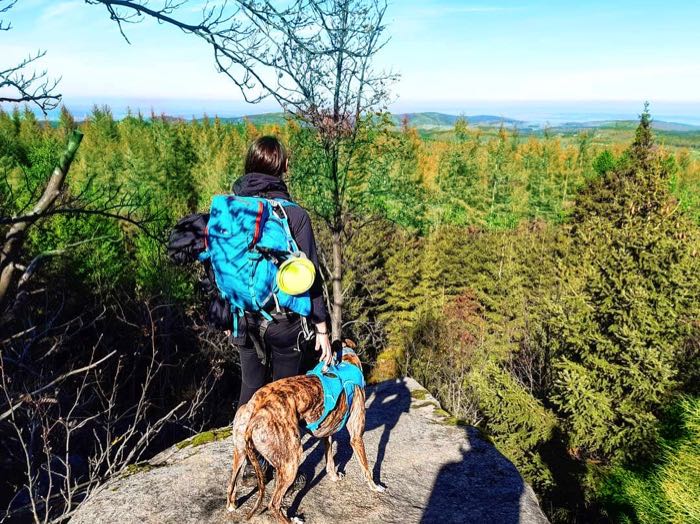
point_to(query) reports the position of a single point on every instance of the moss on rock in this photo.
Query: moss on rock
(425, 405)
(441, 413)
(205, 437)
(139, 467)
(419, 394)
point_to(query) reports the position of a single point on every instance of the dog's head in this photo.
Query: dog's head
(345, 352)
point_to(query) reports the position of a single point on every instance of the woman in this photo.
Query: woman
(265, 166)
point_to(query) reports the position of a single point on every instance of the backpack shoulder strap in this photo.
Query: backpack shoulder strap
(284, 219)
(285, 202)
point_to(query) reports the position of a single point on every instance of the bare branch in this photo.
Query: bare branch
(34, 87)
(108, 202)
(129, 217)
(14, 239)
(19, 85)
(113, 407)
(61, 378)
(6, 26)
(33, 266)
(312, 57)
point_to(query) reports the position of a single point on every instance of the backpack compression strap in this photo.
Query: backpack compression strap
(259, 224)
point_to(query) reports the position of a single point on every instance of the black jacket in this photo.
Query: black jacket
(187, 241)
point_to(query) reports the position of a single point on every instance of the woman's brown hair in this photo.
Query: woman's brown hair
(266, 155)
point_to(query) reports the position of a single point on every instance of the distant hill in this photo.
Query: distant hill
(434, 121)
(427, 120)
(659, 125)
(431, 120)
(261, 119)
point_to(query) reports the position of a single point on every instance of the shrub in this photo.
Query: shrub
(668, 490)
(454, 353)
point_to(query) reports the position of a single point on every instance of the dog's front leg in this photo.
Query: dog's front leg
(356, 429)
(331, 469)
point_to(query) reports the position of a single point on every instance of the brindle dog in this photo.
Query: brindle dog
(269, 424)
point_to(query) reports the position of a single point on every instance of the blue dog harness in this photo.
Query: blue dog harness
(336, 379)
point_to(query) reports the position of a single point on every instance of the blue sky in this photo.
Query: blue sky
(451, 53)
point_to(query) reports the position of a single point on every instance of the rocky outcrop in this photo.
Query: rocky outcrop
(435, 470)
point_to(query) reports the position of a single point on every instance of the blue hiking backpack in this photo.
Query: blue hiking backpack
(246, 239)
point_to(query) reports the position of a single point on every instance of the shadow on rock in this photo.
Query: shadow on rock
(387, 402)
(482, 487)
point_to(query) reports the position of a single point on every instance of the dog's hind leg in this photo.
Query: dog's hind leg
(356, 429)
(240, 422)
(285, 478)
(283, 451)
(236, 466)
(331, 469)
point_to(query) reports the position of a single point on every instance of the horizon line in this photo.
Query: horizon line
(401, 101)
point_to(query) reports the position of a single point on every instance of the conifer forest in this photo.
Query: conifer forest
(544, 288)
(543, 284)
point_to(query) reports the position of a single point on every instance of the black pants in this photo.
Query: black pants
(282, 342)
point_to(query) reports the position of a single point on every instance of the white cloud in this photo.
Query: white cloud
(26, 5)
(437, 10)
(667, 82)
(60, 10)
(450, 10)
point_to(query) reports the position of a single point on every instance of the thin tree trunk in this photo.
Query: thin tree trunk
(337, 313)
(14, 239)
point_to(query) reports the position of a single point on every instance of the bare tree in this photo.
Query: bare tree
(20, 82)
(68, 431)
(57, 199)
(313, 57)
(10, 265)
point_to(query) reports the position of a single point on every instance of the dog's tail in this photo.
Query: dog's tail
(253, 459)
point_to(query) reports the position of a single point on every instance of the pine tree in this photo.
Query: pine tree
(66, 122)
(393, 187)
(500, 181)
(461, 130)
(401, 302)
(459, 182)
(443, 258)
(630, 290)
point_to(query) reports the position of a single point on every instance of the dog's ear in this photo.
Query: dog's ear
(336, 346)
(350, 343)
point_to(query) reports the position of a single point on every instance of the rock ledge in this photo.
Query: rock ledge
(434, 469)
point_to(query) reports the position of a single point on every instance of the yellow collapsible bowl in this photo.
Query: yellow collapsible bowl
(296, 275)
